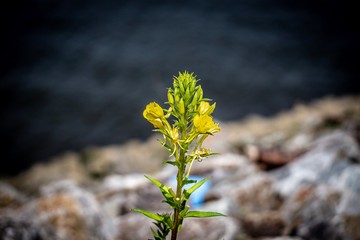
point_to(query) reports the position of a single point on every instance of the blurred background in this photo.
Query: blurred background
(79, 73)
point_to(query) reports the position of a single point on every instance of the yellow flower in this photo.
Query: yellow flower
(205, 108)
(174, 134)
(154, 114)
(205, 124)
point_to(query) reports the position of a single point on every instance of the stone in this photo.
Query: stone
(209, 228)
(312, 213)
(66, 211)
(323, 163)
(265, 224)
(65, 166)
(15, 227)
(10, 198)
(133, 156)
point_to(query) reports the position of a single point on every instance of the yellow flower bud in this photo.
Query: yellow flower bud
(205, 108)
(170, 97)
(174, 134)
(199, 93)
(181, 107)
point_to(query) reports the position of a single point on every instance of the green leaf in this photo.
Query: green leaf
(189, 181)
(148, 214)
(174, 163)
(156, 236)
(188, 192)
(201, 214)
(171, 203)
(166, 191)
(154, 181)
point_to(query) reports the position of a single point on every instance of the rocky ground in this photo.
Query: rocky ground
(293, 176)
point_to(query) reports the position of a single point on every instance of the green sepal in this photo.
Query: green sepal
(201, 214)
(148, 214)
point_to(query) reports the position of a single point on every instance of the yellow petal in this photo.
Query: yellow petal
(154, 114)
(205, 124)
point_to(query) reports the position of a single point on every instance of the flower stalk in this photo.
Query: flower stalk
(192, 123)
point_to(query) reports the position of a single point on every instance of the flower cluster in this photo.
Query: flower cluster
(189, 110)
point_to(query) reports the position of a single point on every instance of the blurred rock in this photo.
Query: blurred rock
(312, 193)
(66, 166)
(228, 166)
(210, 228)
(324, 163)
(14, 228)
(311, 213)
(264, 224)
(127, 158)
(71, 212)
(10, 198)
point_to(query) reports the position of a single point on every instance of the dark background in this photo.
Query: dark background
(79, 73)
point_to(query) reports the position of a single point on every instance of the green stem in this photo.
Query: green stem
(179, 179)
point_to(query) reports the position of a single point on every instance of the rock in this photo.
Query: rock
(312, 213)
(65, 211)
(134, 226)
(209, 228)
(10, 198)
(119, 202)
(271, 158)
(13, 228)
(349, 215)
(134, 156)
(349, 179)
(66, 166)
(281, 238)
(265, 224)
(252, 194)
(124, 182)
(323, 163)
(229, 166)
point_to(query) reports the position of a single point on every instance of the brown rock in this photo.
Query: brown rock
(264, 224)
(61, 214)
(66, 166)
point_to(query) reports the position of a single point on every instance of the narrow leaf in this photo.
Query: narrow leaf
(174, 163)
(154, 181)
(151, 215)
(189, 181)
(156, 236)
(188, 192)
(163, 189)
(201, 214)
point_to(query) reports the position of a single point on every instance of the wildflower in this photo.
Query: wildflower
(205, 108)
(154, 114)
(205, 124)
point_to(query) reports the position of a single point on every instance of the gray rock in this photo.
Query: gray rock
(324, 163)
(66, 211)
(10, 198)
(210, 228)
(18, 228)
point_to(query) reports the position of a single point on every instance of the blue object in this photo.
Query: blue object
(197, 197)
